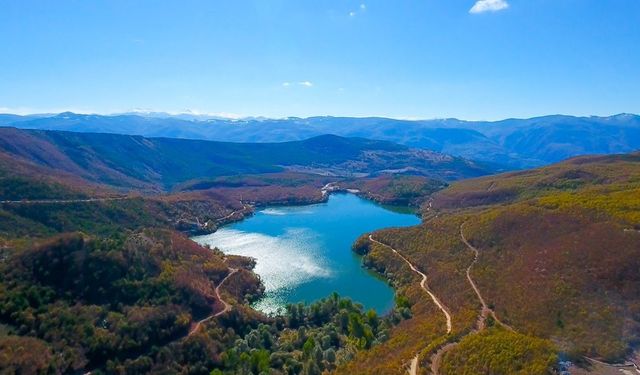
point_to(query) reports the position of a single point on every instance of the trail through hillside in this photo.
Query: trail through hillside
(436, 359)
(244, 208)
(413, 367)
(423, 283)
(486, 311)
(227, 305)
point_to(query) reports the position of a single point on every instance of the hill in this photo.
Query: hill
(557, 259)
(514, 143)
(55, 182)
(152, 301)
(157, 164)
(82, 302)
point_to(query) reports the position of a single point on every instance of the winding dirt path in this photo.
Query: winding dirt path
(227, 305)
(486, 311)
(628, 367)
(436, 359)
(423, 283)
(244, 208)
(413, 365)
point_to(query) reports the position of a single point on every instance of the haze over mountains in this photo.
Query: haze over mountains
(512, 143)
(135, 162)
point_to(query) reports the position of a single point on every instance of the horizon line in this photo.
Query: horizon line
(208, 116)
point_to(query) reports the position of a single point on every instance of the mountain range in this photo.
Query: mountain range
(159, 164)
(511, 143)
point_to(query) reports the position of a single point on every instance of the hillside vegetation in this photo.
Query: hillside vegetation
(148, 302)
(396, 190)
(159, 164)
(88, 302)
(559, 250)
(500, 352)
(107, 285)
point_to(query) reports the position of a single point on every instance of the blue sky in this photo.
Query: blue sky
(276, 58)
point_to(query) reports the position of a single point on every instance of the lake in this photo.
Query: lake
(303, 253)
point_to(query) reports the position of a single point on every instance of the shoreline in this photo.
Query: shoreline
(371, 272)
(326, 192)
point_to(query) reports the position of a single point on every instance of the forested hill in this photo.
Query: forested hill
(519, 143)
(135, 162)
(558, 250)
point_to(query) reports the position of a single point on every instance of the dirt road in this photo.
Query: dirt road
(227, 306)
(413, 365)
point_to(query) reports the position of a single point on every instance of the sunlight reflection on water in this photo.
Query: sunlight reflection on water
(282, 262)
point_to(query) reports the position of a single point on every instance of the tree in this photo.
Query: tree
(330, 356)
(308, 347)
(372, 319)
(311, 368)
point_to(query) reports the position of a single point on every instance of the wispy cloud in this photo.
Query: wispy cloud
(200, 113)
(361, 8)
(301, 83)
(139, 111)
(482, 6)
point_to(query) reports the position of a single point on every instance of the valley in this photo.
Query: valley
(156, 165)
(337, 187)
(278, 240)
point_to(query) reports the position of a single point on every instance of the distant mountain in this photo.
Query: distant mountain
(9, 118)
(135, 162)
(515, 143)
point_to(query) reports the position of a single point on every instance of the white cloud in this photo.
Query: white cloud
(361, 8)
(301, 83)
(482, 6)
(197, 112)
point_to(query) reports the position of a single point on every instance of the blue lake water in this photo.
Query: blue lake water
(303, 253)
